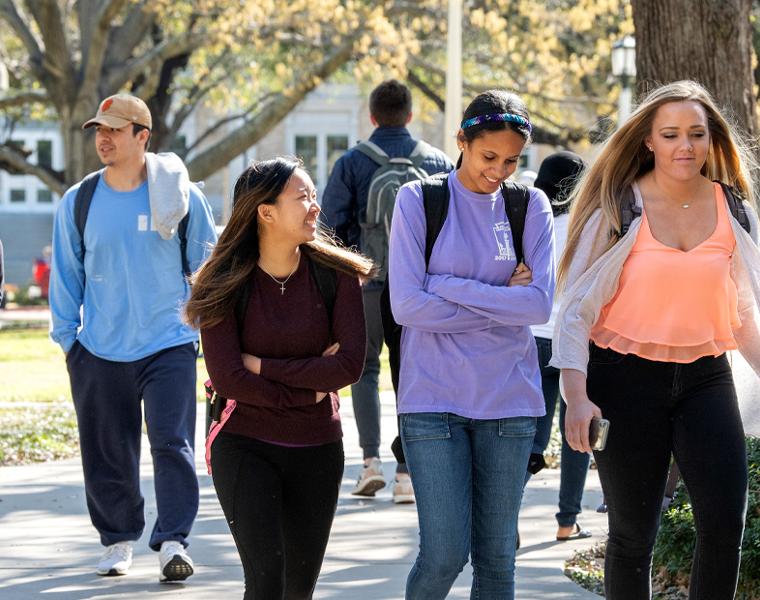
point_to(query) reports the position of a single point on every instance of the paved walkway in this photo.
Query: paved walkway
(48, 548)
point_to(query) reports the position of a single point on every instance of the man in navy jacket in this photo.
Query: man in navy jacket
(344, 205)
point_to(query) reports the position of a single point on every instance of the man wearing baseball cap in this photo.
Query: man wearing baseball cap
(124, 240)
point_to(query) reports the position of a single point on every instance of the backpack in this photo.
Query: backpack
(435, 198)
(390, 175)
(82, 203)
(630, 211)
(326, 280)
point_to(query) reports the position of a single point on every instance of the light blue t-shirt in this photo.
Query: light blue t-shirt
(130, 287)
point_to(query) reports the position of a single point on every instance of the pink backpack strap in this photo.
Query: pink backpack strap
(216, 427)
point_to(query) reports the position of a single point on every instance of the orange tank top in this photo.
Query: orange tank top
(671, 305)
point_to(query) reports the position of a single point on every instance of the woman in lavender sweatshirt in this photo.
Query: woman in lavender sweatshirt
(470, 387)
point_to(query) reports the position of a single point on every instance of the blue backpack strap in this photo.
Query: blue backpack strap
(736, 206)
(516, 198)
(82, 203)
(435, 198)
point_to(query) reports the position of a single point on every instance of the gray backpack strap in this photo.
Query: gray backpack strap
(420, 153)
(373, 151)
(629, 210)
(736, 206)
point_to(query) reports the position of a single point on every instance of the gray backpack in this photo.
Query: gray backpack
(391, 174)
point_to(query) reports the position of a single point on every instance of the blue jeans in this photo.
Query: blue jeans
(468, 481)
(574, 464)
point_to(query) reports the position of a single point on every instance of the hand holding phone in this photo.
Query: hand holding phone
(597, 434)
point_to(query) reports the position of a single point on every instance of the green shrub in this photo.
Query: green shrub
(675, 541)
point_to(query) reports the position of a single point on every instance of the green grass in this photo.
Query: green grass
(37, 420)
(33, 369)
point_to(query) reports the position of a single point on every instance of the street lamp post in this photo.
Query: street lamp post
(453, 113)
(624, 68)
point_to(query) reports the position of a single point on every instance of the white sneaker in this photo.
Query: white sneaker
(116, 560)
(403, 492)
(371, 479)
(176, 564)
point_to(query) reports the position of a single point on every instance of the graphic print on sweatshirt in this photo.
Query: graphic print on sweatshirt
(503, 234)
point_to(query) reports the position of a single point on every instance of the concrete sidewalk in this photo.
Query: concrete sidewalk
(48, 548)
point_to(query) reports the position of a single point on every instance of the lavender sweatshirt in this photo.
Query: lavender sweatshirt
(466, 346)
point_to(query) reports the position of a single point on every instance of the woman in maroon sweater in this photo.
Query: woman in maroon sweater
(278, 463)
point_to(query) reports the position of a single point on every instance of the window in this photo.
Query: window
(336, 146)
(45, 153)
(306, 149)
(44, 196)
(18, 195)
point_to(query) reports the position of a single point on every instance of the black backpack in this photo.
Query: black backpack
(390, 175)
(630, 211)
(435, 198)
(82, 203)
(326, 280)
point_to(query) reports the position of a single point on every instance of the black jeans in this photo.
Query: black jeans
(656, 408)
(279, 503)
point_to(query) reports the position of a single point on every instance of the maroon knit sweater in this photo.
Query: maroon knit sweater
(289, 332)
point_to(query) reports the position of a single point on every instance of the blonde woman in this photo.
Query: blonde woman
(646, 320)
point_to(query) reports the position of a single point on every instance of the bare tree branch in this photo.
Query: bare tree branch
(13, 159)
(123, 39)
(194, 96)
(151, 60)
(269, 114)
(439, 71)
(9, 12)
(56, 61)
(228, 119)
(94, 43)
(426, 90)
(22, 98)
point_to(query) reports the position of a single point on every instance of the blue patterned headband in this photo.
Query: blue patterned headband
(512, 118)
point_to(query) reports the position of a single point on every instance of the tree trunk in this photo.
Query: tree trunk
(709, 41)
(79, 143)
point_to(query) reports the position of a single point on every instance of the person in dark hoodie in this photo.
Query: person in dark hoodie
(344, 209)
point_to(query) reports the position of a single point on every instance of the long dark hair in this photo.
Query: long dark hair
(217, 285)
(494, 102)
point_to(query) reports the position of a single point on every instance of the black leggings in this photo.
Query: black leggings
(279, 503)
(656, 408)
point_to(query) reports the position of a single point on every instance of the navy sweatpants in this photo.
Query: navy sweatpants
(107, 397)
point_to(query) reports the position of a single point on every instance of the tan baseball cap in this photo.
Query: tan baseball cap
(120, 110)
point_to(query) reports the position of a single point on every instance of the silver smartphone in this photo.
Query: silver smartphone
(598, 431)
